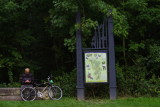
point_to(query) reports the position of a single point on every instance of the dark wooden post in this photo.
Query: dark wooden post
(112, 70)
(80, 76)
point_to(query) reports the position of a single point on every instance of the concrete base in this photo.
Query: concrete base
(113, 93)
(80, 94)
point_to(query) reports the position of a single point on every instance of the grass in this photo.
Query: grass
(72, 102)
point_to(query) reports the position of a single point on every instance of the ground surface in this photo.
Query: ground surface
(71, 102)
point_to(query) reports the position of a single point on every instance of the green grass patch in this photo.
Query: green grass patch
(72, 102)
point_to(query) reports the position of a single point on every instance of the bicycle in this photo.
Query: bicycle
(30, 93)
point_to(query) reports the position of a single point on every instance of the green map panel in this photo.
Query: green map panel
(95, 67)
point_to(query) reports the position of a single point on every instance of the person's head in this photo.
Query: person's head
(27, 70)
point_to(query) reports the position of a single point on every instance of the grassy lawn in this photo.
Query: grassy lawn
(72, 102)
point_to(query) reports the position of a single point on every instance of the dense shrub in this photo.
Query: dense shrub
(67, 82)
(136, 83)
(13, 84)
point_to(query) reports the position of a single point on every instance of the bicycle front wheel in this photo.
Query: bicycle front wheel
(28, 94)
(55, 93)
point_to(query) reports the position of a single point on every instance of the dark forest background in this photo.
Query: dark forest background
(40, 34)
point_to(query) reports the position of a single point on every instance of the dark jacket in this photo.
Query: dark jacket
(25, 77)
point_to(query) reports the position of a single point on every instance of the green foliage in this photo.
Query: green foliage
(58, 18)
(120, 24)
(10, 6)
(137, 4)
(134, 82)
(87, 26)
(150, 87)
(40, 34)
(3, 85)
(154, 53)
(67, 82)
(70, 43)
(10, 74)
(10, 85)
(135, 46)
(14, 84)
(65, 5)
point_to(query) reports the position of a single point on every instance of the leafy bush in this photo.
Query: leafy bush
(67, 82)
(134, 82)
(10, 85)
(149, 87)
(3, 85)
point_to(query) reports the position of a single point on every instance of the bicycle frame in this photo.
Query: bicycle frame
(44, 89)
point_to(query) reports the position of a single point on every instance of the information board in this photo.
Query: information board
(96, 67)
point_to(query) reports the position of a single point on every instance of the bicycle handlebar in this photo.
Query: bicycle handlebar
(49, 77)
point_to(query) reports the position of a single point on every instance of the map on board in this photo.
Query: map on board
(95, 67)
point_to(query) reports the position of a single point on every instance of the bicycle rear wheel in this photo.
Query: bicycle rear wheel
(55, 93)
(28, 94)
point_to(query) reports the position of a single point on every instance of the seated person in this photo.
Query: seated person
(26, 79)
